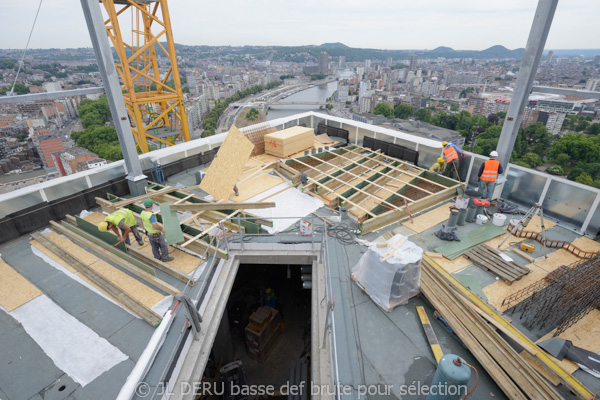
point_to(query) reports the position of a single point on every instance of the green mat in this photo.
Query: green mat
(173, 233)
(92, 229)
(453, 250)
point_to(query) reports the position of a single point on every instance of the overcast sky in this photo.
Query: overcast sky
(383, 24)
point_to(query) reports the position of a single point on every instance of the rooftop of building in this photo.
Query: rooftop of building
(367, 345)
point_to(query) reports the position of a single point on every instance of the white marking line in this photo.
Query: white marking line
(73, 347)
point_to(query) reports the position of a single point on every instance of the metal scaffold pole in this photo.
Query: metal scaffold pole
(95, 23)
(529, 65)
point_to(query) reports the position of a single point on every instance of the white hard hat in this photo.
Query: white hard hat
(494, 154)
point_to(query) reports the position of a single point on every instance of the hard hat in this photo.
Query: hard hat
(103, 226)
(148, 203)
(440, 160)
(494, 154)
(444, 144)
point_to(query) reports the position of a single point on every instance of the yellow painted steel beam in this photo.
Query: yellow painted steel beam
(138, 68)
(431, 338)
(567, 379)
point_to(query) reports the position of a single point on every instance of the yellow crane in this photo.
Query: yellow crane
(154, 103)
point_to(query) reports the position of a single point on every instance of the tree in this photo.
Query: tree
(252, 114)
(562, 159)
(493, 119)
(384, 109)
(19, 89)
(454, 107)
(585, 179)
(404, 111)
(533, 159)
(593, 129)
(423, 114)
(555, 170)
(91, 119)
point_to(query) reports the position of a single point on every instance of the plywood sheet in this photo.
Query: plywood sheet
(585, 333)
(95, 218)
(14, 289)
(586, 244)
(255, 186)
(183, 261)
(429, 219)
(498, 291)
(324, 139)
(134, 288)
(289, 141)
(225, 169)
(556, 259)
(452, 266)
(53, 256)
(83, 256)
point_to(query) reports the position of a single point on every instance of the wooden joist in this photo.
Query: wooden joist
(76, 235)
(132, 200)
(221, 206)
(490, 260)
(164, 267)
(125, 299)
(452, 286)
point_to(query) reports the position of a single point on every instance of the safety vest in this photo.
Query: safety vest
(120, 214)
(490, 170)
(146, 221)
(436, 167)
(450, 154)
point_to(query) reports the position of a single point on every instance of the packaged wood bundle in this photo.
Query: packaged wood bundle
(289, 141)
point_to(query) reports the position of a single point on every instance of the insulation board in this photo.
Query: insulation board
(14, 289)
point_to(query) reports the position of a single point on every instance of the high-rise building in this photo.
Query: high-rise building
(549, 56)
(367, 65)
(341, 61)
(592, 84)
(389, 62)
(323, 63)
(413, 62)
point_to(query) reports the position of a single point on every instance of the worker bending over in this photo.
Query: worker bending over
(155, 232)
(451, 153)
(124, 220)
(438, 167)
(488, 174)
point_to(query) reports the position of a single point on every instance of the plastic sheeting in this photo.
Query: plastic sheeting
(392, 282)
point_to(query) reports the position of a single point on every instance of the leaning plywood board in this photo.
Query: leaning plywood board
(429, 219)
(14, 289)
(225, 169)
(585, 333)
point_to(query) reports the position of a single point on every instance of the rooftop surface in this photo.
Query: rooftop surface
(371, 346)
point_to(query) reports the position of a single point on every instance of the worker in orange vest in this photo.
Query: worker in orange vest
(451, 153)
(488, 174)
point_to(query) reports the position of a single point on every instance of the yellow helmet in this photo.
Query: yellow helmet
(440, 160)
(444, 144)
(103, 226)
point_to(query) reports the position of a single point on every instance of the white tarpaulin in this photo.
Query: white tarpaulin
(73, 347)
(392, 282)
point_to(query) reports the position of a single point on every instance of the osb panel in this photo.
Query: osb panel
(265, 158)
(585, 333)
(498, 291)
(324, 139)
(95, 218)
(134, 288)
(429, 219)
(14, 289)
(556, 259)
(586, 244)
(51, 255)
(255, 186)
(80, 254)
(183, 262)
(452, 266)
(225, 169)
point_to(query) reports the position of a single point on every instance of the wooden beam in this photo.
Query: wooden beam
(220, 206)
(164, 267)
(205, 232)
(106, 285)
(77, 235)
(132, 200)
(399, 169)
(256, 172)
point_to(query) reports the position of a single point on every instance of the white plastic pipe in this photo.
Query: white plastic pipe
(141, 367)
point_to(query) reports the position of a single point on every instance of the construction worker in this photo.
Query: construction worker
(451, 153)
(438, 167)
(124, 220)
(155, 233)
(270, 298)
(488, 174)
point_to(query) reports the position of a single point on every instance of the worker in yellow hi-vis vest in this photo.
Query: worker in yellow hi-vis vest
(438, 166)
(124, 220)
(488, 174)
(155, 232)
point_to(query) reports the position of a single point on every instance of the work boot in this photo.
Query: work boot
(168, 259)
(141, 242)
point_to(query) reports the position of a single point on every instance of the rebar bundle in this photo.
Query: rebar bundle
(560, 299)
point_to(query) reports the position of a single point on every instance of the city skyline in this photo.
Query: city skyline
(392, 25)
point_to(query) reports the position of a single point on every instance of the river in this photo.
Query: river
(314, 94)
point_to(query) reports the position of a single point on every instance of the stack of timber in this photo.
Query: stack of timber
(519, 377)
(289, 141)
(491, 260)
(262, 332)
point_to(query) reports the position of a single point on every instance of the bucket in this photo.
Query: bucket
(462, 216)
(499, 219)
(453, 217)
(343, 213)
(481, 219)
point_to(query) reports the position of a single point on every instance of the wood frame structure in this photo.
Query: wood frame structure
(354, 174)
(156, 110)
